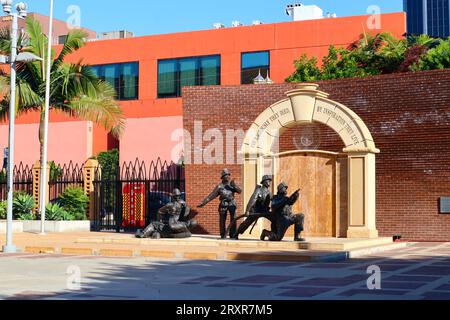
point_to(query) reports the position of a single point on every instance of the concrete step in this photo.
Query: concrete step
(327, 244)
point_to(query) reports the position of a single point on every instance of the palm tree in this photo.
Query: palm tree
(75, 89)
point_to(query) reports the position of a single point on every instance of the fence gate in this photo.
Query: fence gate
(127, 197)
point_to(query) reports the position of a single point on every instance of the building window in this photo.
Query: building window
(174, 74)
(124, 77)
(62, 39)
(252, 63)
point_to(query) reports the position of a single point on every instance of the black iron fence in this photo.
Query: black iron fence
(22, 181)
(64, 176)
(128, 197)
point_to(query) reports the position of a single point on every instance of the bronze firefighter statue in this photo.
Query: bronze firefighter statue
(225, 190)
(283, 217)
(173, 221)
(257, 207)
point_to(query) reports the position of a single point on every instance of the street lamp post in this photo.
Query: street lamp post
(43, 186)
(12, 60)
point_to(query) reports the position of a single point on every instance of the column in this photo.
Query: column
(90, 171)
(361, 196)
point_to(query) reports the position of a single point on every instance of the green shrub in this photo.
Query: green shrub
(74, 201)
(55, 171)
(3, 210)
(23, 206)
(54, 212)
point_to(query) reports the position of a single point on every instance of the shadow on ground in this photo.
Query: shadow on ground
(421, 271)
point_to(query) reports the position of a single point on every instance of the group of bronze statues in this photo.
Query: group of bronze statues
(174, 219)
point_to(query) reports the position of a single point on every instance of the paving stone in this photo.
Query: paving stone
(277, 264)
(326, 265)
(401, 285)
(353, 292)
(385, 267)
(425, 279)
(264, 279)
(228, 285)
(436, 295)
(209, 278)
(328, 282)
(304, 292)
(445, 287)
(431, 270)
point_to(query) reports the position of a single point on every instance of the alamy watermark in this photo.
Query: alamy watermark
(73, 281)
(374, 20)
(374, 281)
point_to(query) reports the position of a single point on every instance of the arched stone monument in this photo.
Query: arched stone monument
(306, 105)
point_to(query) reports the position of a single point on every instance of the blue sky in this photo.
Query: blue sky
(145, 17)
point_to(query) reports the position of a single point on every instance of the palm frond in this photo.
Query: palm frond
(5, 41)
(37, 39)
(74, 41)
(102, 109)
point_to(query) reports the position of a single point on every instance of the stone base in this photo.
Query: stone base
(57, 226)
(17, 226)
(358, 233)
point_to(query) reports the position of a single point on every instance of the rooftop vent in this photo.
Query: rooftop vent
(121, 34)
(218, 25)
(300, 12)
(331, 15)
(236, 24)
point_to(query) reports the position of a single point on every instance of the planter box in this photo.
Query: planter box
(57, 226)
(17, 226)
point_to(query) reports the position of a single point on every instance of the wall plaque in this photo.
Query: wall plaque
(444, 205)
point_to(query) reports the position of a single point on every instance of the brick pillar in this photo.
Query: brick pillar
(36, 184)
(89, 173)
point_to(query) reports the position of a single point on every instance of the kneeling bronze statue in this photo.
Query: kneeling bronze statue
(283, 217)
(173, 221)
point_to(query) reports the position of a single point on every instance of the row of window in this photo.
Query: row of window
(173, 74)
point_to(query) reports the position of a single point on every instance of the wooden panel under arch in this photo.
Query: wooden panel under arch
(315, 174)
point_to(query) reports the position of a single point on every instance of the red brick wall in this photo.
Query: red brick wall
(407, 114)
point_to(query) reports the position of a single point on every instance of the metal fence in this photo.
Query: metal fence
(128, 197)
(22, 181)
(62, 177)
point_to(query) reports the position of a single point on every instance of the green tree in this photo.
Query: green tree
(306, 70)
(75, 89)
(436, 58)
(375, 54)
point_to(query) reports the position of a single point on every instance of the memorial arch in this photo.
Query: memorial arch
(306, 105)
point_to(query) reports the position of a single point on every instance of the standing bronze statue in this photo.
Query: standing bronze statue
(225, 190)
(173, 221)
(283, 216)
(258, 206)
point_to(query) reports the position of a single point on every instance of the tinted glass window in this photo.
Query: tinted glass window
(123, 77)
(167, 78)
(253, 64)
(174, 74)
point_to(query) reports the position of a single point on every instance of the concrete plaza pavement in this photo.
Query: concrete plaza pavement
(417, 272)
